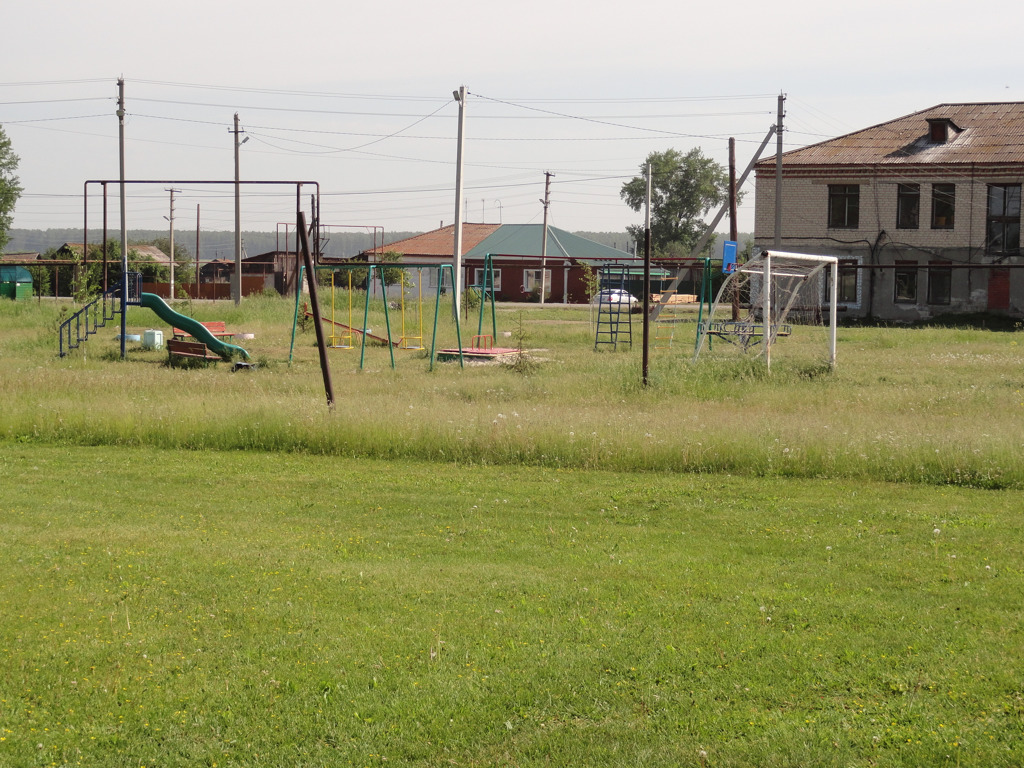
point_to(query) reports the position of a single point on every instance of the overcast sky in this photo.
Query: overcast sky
(358, 97)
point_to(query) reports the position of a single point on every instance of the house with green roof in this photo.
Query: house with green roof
(515, 252)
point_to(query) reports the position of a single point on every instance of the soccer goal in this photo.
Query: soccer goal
(768, 298)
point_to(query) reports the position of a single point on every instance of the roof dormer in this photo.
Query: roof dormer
(941, 130)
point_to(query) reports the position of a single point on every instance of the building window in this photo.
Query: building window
(847, 281)
(1003, 225)
(843, 206)
(940, 282)
(943, 205)
(479, 274)
(531, 280)
(905, 279)
(908, 205)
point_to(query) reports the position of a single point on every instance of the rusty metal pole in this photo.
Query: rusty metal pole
(646, 363)
(314, 302)
(197, 251)
(105, 275)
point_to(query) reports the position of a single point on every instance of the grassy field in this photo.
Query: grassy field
(490, 566)
(927, 405)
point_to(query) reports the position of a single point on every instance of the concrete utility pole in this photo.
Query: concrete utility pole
(460, 97)
(236, 282)
(170, 219)
(124, 222)
(778, 172)
(544, 244)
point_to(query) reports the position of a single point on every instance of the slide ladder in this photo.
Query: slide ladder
(96, 314)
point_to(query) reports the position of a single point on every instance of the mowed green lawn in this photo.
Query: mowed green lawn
(248, 608)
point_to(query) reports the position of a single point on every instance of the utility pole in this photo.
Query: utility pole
(733, 225)
(124, 222)
(170, 219)
(460, 97)
(778, 172)
(236, 282)
(544, 243)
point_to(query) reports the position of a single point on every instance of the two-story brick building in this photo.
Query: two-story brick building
(923, 211)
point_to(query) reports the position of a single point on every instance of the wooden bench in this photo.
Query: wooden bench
(191, 350)
(215, 327)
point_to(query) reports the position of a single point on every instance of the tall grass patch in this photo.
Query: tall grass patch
(932, 405)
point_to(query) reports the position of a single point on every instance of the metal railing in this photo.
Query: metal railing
(94, 315)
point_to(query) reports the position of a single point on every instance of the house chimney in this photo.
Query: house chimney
(941, 129)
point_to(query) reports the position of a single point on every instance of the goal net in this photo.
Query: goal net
(774, 295)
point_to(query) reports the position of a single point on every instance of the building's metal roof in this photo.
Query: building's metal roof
(503, 240)
(526, 240)
(438, 242)
(990, 133)
(151, 251)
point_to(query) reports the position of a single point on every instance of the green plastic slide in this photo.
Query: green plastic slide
(186, 323)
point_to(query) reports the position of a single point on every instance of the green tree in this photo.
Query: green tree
(151, 270)
(393, 275)
(182, 256)
(684, 188)
(10, 189)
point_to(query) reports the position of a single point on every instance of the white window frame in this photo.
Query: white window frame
(478, 278)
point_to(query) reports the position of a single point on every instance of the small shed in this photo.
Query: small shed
(15, 282)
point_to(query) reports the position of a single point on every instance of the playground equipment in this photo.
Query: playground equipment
(195, 328)
(408, 339)
(341, 335)
(676, 309)
(757, 299)
(405, 341)
(614, 317)
(95, 315)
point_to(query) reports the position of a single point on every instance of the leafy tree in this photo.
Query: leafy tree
(591, 281)
(40, 280)
(151, 270)
(182, 256)
(684, 188)
(393, 275)
(10, 189)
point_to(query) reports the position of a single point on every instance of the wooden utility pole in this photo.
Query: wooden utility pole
(314, 303)
(544, 243)
(733, 226)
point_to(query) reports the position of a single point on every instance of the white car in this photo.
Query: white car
(617, 296)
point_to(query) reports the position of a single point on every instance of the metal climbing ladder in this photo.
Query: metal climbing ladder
(94, 315)
(614, 318)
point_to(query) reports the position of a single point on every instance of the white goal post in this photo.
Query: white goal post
(784, 275)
